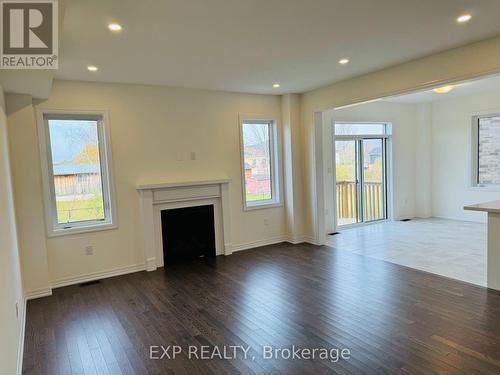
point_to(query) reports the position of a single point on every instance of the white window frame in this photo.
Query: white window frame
(387, 173)
(110, 220)
(275, 168)
(474, 151)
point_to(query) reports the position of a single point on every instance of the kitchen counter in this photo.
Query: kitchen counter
(493, 206)
(493, 255)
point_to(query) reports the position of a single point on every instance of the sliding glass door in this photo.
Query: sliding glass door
(346, 173)
(361, 175)
(373, 180)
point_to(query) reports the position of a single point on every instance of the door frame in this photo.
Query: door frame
(387, 171)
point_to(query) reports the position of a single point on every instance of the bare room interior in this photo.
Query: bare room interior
(249, 187)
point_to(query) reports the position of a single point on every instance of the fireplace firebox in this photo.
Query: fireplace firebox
(188, 233)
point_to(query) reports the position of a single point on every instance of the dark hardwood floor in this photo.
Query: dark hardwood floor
(392, 319)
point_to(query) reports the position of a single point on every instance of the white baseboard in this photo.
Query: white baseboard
(151, 264)
(20, 350)
(228, 248)
(66, 281)
(72, 280)
(38, 293)
(310, 240)
(259, 243)
(274, 240)
(298, 239)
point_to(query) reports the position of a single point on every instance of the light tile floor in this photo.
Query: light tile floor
(455, 249)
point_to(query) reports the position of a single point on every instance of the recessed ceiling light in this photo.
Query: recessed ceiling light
(444, 89)
(276, 85)
(92, 68)
(464, 18)
(115, 27)
(343, 61)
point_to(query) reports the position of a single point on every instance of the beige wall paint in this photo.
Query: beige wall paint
(292, 165)
(151, 128)
(27, 182)
(469, 61)
(11, 291)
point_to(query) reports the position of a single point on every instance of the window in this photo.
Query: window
(361, 128)
(260, 163)
(77, 178)
(486, 151)
(361, 154)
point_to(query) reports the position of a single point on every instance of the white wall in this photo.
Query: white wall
(402, 117)
(11, 326)
(151, 127)
(423, 160)
(451, 125)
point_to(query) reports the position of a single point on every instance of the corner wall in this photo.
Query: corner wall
(11, 290)
(153, 132)
(27, 182)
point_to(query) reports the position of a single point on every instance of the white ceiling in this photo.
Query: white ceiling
(247, 45)
(460, 89)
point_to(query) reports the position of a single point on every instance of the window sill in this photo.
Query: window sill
(261, 206)
(81, 229)
(486, 189)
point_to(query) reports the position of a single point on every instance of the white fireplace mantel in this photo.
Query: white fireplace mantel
(156, 197)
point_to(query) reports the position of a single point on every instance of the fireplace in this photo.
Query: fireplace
(188, 233)
(160, 200)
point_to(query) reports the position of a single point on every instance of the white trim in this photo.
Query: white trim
(473, 159)
(71, 280)
(20, 349)
(156, 197)
(295, 240)
(318, 186)
(38, 293)
(275, 163)
(151, 263)
(165, 185)
(387, 172)
(157, 222)
(312, 241)
(274, 240)
(259, 243)
(104, 141)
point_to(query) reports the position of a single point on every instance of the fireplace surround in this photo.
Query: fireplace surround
(155, 198)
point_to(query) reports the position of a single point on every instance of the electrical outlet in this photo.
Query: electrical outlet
(192, 156)
(89, 250)
(266, 222)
